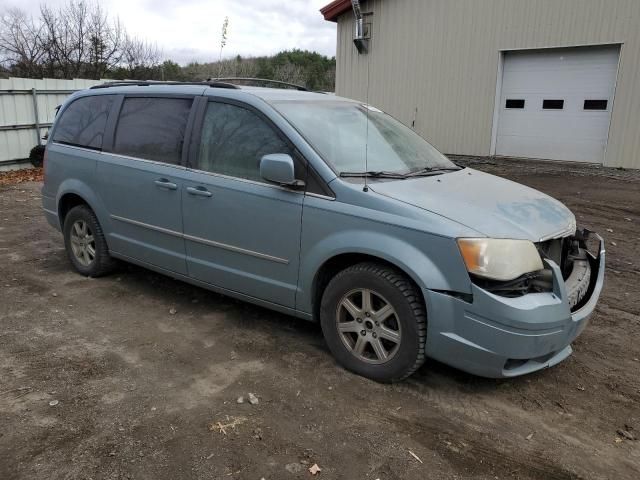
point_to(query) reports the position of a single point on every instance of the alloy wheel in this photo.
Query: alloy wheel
(83, 244)
(368, 326)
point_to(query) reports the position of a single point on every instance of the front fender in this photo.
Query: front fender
(445, 273)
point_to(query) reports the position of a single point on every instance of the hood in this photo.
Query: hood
(491, 205)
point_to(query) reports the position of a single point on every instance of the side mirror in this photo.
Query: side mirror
(278, 168)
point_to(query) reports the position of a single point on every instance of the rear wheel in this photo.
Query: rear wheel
(374, 322)
(85, 243)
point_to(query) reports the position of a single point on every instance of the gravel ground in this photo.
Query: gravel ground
(137, 376)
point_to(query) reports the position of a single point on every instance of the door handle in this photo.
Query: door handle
(164, 183)
(199, 191)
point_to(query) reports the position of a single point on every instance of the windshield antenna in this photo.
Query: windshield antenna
(366, 139)
(361, 42)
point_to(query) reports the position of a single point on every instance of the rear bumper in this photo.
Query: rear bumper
(501, 337)
(50, 210)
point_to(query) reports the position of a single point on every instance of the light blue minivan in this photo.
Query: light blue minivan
(326, 209)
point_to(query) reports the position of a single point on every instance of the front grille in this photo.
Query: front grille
(534, 282)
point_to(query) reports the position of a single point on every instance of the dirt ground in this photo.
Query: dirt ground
(146, 372)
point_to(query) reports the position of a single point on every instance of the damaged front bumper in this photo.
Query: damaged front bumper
(497, 336)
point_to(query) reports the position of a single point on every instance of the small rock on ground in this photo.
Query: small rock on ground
(293, 467)
(626, 434)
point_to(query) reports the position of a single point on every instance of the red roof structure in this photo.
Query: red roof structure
(336, 8)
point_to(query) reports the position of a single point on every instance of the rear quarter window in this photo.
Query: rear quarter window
(82, 123)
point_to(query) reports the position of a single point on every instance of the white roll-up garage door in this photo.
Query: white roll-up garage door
(556, 103)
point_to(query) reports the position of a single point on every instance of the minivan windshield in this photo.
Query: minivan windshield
(338, 132)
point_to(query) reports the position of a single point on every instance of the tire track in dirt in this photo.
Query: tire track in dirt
(480, 452)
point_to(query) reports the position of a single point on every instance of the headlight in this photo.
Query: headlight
(499, 259)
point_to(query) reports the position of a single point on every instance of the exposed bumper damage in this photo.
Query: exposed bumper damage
(577, 257)
(527, 325)
(577, 284)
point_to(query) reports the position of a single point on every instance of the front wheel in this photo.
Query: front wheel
(374, 322)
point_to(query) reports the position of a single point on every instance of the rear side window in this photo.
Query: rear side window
(152, 128)
(234, 140)
(82, 123)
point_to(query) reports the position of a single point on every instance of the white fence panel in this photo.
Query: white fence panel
(19, 104)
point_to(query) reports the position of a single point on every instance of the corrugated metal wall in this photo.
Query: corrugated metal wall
(436, 61)
(16, 108)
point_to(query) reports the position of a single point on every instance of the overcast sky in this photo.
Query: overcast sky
(189, 30)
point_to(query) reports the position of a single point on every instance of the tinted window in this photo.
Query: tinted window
(234, 140)
(553, 104)
(595, 104)
(316, 185)
(514, 103)
(152, 128)
(82, 123)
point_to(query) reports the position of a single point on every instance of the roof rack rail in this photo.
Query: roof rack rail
(146, 83)
(259, 81)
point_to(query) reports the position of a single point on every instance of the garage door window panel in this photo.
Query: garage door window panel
(596, 105)
(516, 104)
(553, 104)
(152, 128)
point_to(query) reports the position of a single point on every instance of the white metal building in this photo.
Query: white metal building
(525, 78)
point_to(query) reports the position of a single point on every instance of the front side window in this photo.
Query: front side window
(152, 128)
(82, 123)
(353, 138)
(233, 141)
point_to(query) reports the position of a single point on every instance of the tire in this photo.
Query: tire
(349, 325)
(36, 155)
(88, 254)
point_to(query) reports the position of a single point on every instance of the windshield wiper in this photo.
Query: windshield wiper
(373, 174)
(401, 176)
(431, 171)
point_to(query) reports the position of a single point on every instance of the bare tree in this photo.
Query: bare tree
(290, 73)
(105, 42)
(78, 39)
(139, 55)
(57, 43)
(21, 42)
